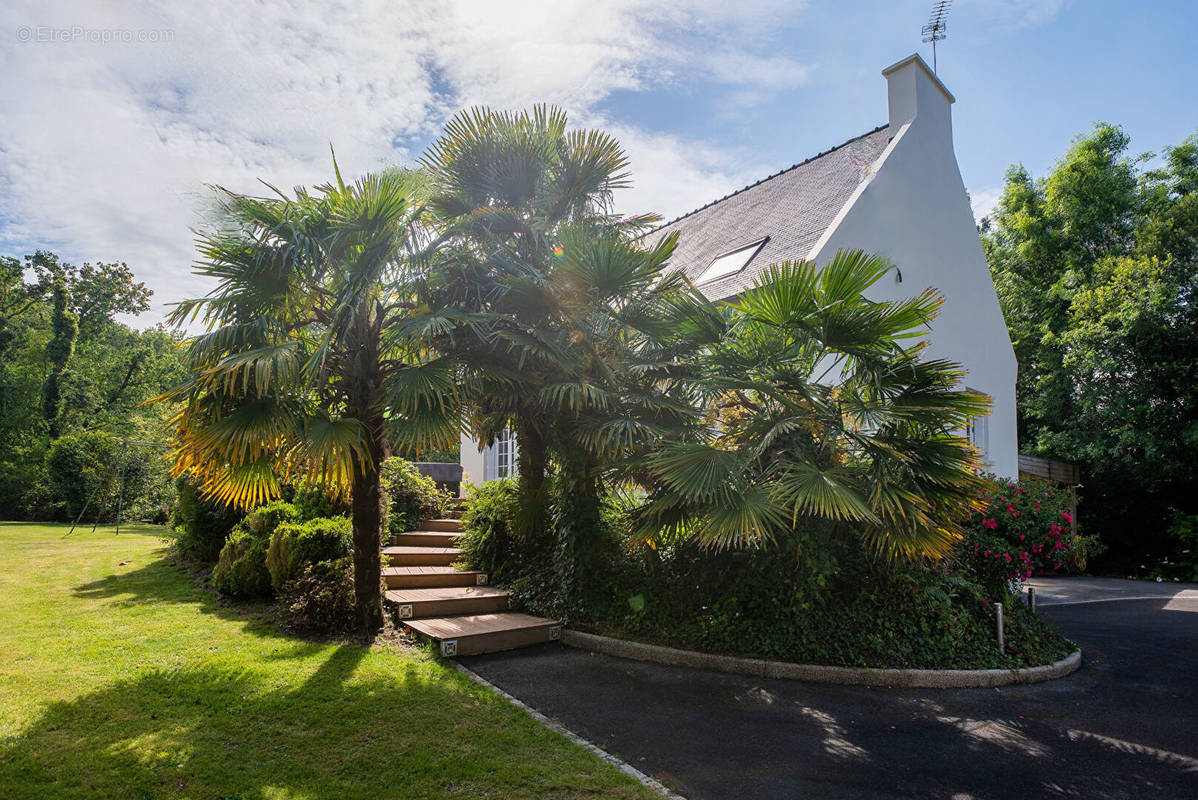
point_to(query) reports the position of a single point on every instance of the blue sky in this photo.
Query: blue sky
(116, 115)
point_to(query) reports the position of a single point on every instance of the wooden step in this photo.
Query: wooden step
(426, 577)
(447, 525)
(407, 556)
(418, 603)
(426, 539)
(485, 633)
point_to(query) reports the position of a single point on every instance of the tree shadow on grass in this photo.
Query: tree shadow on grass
(203, 733)
(166, 580)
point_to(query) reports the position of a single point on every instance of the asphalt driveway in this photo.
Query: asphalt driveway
(1124, 726)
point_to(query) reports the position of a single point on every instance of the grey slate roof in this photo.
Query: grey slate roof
(792, 207)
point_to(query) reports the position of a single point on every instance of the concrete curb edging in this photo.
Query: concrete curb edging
(623, 766)
(855, 676)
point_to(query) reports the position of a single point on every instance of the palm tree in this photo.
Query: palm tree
(818, 403)
(301, 373)
(506, 187)
(615, 390)
(587, 348)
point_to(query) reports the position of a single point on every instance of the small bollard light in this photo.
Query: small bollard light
(1031, 598)
(998, 616)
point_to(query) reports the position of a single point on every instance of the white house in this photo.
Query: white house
(895, 191)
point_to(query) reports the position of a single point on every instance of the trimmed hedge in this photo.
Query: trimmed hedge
(294, 546)
(263, 520)
(312, 502)
(241, 569)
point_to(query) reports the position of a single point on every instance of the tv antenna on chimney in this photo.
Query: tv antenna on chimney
(937, 27)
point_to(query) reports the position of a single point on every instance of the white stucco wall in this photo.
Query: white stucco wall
(472, 460)
(483, 465)
(913, 209)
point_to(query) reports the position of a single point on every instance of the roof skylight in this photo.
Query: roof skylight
(731, 263)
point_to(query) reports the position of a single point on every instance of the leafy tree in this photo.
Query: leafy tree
(303, 371)
(92, 471)
(94, 380)
(58, 352)
(1043, 243)
(18, 300)
(100, 291)
(1096, 267)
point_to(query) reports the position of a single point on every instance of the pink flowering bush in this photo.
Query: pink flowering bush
(1023, 529)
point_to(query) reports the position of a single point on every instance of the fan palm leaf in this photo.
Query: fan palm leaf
(826, 398)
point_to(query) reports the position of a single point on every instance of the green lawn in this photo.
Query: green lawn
(131, 681)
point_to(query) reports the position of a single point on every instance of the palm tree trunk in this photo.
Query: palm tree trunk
(532, 459)
(367, 512)
(366, 501)
(577, 526)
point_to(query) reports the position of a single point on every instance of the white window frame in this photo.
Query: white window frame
(750, 250)
(499, 457)
(977, 430)
(505, 456)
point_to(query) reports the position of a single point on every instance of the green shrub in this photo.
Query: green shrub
(564, 573)
(817, 595)
(486, 541)
(320, 600)
(241, 569)
(297, 545)
(200, 526)
(312, 502)
(1022, 529)
(263, 520)
(848, 610)
(411, 497)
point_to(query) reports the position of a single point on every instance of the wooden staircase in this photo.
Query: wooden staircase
(452, 607)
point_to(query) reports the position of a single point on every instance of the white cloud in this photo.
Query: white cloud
(984, 201)
(674, 175)
(107, 145)
(776, 73)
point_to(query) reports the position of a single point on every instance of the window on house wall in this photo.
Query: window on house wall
(504, 456)
(977, 430)
(732, 262)
(499, 457)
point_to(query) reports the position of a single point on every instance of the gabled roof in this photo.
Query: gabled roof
(792, 208)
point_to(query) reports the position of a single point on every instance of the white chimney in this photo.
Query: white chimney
(917, 96)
